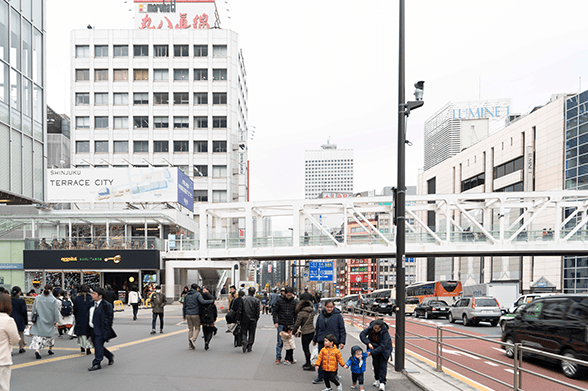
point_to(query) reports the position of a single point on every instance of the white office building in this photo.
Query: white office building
(328, 170)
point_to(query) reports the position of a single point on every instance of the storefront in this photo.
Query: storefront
(69, 268)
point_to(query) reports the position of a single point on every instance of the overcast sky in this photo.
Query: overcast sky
(329, 68)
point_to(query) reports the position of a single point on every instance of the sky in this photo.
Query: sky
(320, 69)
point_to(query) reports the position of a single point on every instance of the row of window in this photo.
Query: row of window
(515, 187)
(182, 74)
(141, 146)
(142, 98)
(472, 182)
(509, 167)
(142, 122)
(83, 51)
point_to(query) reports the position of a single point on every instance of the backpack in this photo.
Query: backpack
(207, 316)
(66, 308)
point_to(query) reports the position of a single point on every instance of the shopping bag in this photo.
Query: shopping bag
(27, 331)
(314, 355)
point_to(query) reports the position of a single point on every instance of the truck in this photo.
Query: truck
(506, 293)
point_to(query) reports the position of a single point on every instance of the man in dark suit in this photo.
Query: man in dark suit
(101, 331)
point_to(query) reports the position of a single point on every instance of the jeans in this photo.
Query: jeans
(280, 343)
(380, 367)
(135, 309)
(155, 315)
(306, 340)
(357, 377)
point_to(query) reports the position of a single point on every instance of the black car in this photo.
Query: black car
(555, 324)
(432, 309)
(384, 305)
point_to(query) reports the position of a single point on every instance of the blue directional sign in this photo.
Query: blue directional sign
(320, 271)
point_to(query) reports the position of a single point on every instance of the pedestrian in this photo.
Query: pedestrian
(264, 304)
(307, 295)
(193, 302)
(357, 365)
(9, 336)
(207, 318)
(134, 300)
(377, 338)
(101, 318)
(158, 301)
(289, 345)
(328, 358)
(317, 301)
(329, 321)
(237, 306)
(19, 314)
(66, 317)
(284, 314)
(273, 299)
(109, 294)
(232, 296)
(186, 289)
(45, 309)
(304, 326)
(249, 317)
(81, 312)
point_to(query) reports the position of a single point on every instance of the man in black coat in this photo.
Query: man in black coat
(101, 316)
(249, 318)
(284, 314)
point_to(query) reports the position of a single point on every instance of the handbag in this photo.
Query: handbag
(231, 317)
(314, 355)
(34, 315)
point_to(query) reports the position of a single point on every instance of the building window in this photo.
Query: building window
(514, 187)
(161, 146)
(140, 122)
(219, 98)
(180, 122)
(121, 74)
(121, 50)
(121, 147)
(219, 50)
(82, 122)
(141, 50)
(200, 195)
(101, 98)
(82, 51)
(472, 182)
(219, 74)
(200, 146)
(180, 146)
(160, 50)
(200, 122)
(201, 98)
(160, 98)
(140, 74)
(181, 98)
(219, 196)
(141, 146)
(140, 98)
(101, 75)
(101, 51)
(121, 98)
(121, 122)
(219, 146)
(200, 50)
(219, 122)
(200, 170)
(101, 146)
(200, 74)
(82, 146)
(161, 122)
(101, 122)
(82, 98)
(508, 167)
(160, 74)
(180, 50)
(180, 74)
(82, 74)
(219, 171)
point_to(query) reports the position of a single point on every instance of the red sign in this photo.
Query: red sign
(199, 22)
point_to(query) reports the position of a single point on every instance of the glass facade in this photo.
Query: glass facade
(22, 111)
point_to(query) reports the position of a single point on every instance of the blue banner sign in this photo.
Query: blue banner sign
(11, 266)
(185, 191)
(320, 271)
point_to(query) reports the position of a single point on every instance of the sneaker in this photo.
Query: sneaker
(382, 387)
(50, 352)
(191, 345)
(293, 361)
(354, 386)
(317, 381)
(377, 383)
(160, 331)
(328, 389)
(286, 362)
(278, 361)
(152, 331)
(340, 387)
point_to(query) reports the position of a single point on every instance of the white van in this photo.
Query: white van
(525, 299)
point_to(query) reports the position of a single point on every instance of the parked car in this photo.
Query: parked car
(510, 316)
(348, 302)
(473, 310)
(555, 324)
(410, 304)
(432, 309)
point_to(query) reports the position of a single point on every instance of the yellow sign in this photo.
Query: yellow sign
(69, 259)
(115, 259)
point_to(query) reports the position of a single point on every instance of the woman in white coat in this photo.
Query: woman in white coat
(8, 338)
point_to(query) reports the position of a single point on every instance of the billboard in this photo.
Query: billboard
(91, 259)
(175, 14)
(153, 184)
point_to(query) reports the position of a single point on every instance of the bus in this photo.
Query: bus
(434, 289)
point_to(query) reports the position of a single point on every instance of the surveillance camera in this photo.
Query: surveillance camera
(418, 92)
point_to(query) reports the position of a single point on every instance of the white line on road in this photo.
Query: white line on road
(491, 363)
(500, 350)
(509, 370)
(459, 353)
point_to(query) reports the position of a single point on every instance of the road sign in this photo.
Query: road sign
(320, 271)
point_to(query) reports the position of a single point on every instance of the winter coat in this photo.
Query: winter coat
(81, 311)
(304, 318)
(330, 324)
(357, 366)
(328, 359)
(48, 314)
(284, 311)
(64, 320)
(193, 303)
(158, 301)
(274, 298)
(134, 297)
(251, 309)
(288, 340)
(19, 312)
(8, 338)
(307, 296)
(382, 342)
(209, 312)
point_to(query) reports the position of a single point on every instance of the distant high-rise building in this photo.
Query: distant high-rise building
(328, 170)
(58, 139)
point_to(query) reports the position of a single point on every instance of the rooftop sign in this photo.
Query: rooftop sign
(175, 14)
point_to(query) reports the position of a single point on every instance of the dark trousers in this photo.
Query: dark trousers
(208, 332)
(330, 376)
(135, 309)
(155, 315)
(357, 377)
(289, 355)
(306, 340)
(99, 350)
(248, 333)
(380, 367)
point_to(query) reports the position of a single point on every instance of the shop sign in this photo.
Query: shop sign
(175, 14)
(91, 259)
(11, 266)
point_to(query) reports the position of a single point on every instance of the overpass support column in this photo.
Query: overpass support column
(248, 227)
(296, 225)
(169, 280)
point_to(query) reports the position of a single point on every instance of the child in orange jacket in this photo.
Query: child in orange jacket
(328, 358)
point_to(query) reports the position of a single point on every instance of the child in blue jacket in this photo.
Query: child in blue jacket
(357, 365)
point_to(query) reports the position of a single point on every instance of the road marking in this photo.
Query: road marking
(460, 353)
(491, 363)
(500, 350)
(31, 363)
(509, 370)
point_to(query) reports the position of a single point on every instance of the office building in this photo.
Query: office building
(327, 170)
